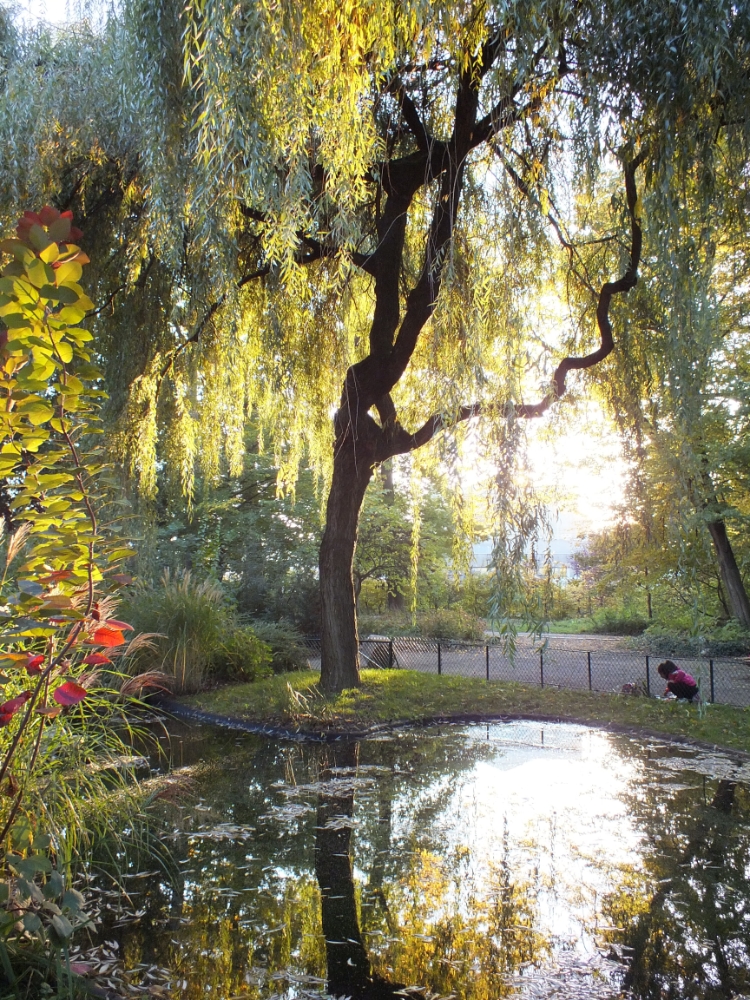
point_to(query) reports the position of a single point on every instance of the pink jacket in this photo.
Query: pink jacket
(680, 677)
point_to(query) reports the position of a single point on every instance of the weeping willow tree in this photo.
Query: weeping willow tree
(679, 387)
(352, 210)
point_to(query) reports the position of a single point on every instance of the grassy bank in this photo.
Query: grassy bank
(402, 695)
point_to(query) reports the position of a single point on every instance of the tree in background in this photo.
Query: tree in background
(679, 391)
(296, 198)
(263, 546)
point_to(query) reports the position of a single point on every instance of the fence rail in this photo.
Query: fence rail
(724, 680)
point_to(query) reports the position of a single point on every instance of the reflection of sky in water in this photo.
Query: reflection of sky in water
(547, 799)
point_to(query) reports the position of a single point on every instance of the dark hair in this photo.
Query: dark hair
(666, 668)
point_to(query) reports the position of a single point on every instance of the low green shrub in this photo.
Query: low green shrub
(242, 656)
(390, 623)
(445, 623)
(730, 639)
(612, 622)
(451, 623)
(285, 642)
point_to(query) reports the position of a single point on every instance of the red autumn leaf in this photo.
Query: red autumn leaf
(48, 215)
(10, 708)
(96, 659)
(75, 234)
(114, 623)
(34, 664)
(66, 215)
(108, 637)
(69, 693)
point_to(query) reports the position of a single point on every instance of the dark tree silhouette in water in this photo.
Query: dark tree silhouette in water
(349, 970)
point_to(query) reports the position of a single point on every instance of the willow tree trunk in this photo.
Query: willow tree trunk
(730, 572)
(340, 642)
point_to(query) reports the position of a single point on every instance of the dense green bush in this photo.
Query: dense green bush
(451, 623)
(445, 623)
(730, 639)
(242, 656)
(285, 642)
(609, 621)
(197, 634)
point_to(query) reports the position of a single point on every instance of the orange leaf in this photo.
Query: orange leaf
(54, 577)
(109, 637)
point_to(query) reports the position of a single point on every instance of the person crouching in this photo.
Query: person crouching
(679, 683)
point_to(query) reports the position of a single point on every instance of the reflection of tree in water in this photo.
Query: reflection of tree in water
(349, 970)
(432, 926)
(349, 852)
(685, 919)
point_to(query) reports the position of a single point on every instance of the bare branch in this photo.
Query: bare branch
(609, 289)
(402, 442)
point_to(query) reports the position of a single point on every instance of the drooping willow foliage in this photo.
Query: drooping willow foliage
(225, 161)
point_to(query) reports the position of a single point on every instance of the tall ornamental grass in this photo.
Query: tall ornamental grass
(196, 635)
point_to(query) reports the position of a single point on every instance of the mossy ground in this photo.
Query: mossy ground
(404, 695)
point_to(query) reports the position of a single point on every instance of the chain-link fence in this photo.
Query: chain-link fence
(723, 680)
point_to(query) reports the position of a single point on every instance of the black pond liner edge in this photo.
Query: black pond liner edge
(180, 711)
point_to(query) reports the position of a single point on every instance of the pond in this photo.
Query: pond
(504, 860)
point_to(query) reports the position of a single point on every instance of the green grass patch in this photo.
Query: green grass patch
(404, 695)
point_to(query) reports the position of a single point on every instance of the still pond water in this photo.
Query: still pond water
(509, 860)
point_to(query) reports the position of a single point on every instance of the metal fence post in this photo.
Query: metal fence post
(588, 659)
(541, 668)
(487, 660)
(711, 676)
(390, 654)
(648, 676)
(440, 664)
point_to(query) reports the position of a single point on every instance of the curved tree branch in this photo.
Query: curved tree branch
(608, 291)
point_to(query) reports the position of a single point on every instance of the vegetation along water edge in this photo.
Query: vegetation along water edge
(295, 703)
